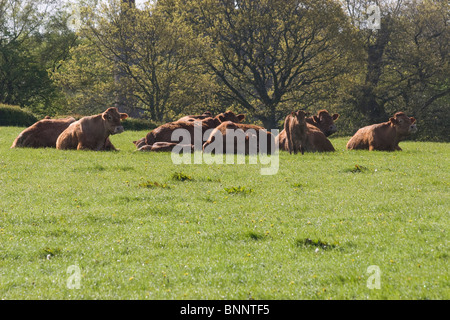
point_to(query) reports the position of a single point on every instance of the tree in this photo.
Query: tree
(406, 60)
(266, 53)
(419, 55)
(31, 40)
(150, 49)
(86, 79)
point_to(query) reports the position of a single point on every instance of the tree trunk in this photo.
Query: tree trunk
(269, 120)
(124, 101)
(375, 64)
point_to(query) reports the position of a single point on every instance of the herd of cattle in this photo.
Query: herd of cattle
(300, 133)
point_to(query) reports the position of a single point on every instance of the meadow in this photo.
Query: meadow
(136, 226)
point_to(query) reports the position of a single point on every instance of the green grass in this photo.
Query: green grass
(140, 227)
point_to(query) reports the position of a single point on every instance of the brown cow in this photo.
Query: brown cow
(42, 134)
(92, 132)
(204, 115)
(296, 132)
(324, 121)
(230, 116)
(384, 136)
(139, 143)
(165, 147)
(316, 141)
(164, 133)
(241, 131)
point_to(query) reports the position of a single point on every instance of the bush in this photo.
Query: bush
(133, 124)
(15, 116)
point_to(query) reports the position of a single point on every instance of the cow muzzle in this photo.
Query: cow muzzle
(118, 129)
(413, 128)
(332, 129)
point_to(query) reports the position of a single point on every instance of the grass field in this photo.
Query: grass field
(137, 226)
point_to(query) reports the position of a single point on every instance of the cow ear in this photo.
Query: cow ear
(123, 116)
(335, 116)
(241, 117)
(393, 120)
(316, 119)
(412, 120)
(221, 117)
(106, 116)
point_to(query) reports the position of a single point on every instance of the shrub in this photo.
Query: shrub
(133, 124)
(180, 176)
(15, 116)
(151, 185)
(238, 190)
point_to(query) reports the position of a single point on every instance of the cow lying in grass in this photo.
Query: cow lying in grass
(165, 147)
(384, 136)
(164, 132)
(245, 139)
(317, 129)
(324, 121)
(92, 132)
(42, 134)
(204, 115)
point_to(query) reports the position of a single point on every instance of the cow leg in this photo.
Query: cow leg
(80, 146)
(108, 145)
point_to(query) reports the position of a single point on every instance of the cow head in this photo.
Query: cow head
(230, 116)
(211, 122)
(405, 125)
(111, 118)
(299, 114)
(325, 122)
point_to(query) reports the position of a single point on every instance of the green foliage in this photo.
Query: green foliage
(238, 190)
(16, 116)
(151, 185)
(180, 176)
(404, 67)
(254, 235)
(86, 78)
(257, 50)
(134, 124)
(307, 242)
(357, 169)
(33, 38)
